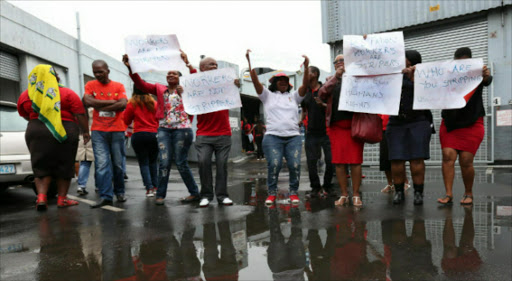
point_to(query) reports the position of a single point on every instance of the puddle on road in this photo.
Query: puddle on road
(249, 241)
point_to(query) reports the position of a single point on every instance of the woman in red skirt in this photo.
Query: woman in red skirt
(345, 150)
(461, 132)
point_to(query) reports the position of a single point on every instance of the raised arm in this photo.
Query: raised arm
(139, 83)
(305, 80)
(254, 77)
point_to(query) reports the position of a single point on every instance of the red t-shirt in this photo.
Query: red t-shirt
(214, 124)
(143, 119)
(70, 104)
(106, 121)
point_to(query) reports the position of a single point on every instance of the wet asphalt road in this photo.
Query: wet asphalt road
(138, 240)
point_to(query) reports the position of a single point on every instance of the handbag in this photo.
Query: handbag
(366, 127)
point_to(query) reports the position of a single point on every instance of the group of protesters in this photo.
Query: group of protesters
(162, 134)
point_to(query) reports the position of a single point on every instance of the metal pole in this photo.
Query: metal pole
(79, 55)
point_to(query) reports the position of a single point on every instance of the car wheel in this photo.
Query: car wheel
(52, 190)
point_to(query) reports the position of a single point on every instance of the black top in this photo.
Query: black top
(337, 115)
(406, 114)
(316, 113)
(466, 116)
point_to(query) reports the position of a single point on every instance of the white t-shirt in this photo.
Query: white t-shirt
(281, 112)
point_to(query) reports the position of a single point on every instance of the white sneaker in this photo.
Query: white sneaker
(227, 201)
(204, 202)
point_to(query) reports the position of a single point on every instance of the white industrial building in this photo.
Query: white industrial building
(436, 29)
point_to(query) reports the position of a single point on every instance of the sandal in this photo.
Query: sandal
(342, 201)
(450, 200)
(462, 202)
(63, 202)
(356, 201)
(388, 189)
(406, 186)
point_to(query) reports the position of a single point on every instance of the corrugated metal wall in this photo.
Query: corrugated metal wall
(438, 43)
(359, 17)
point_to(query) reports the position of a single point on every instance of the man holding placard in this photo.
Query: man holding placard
(462, 131)
(213, 135)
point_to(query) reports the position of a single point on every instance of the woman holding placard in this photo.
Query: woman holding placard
(282, 136)
(346, 151)
(174, 130)
(408, 136)
(462, 131)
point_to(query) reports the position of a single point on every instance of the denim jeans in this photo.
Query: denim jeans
(314, 146)
(206, 146)
(275, 148)
(174, 143)
(108, 156)
(146, 149)
(83, 173)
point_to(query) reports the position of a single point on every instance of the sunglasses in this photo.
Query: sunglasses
(338, 61)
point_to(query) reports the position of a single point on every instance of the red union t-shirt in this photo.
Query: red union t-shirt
(106, 121)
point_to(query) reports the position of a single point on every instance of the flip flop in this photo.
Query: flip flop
(342, 201)
(388, 189)
(356, 201)
(464, 199)
(450, 200)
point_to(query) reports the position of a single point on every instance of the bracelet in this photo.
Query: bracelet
(188, 65)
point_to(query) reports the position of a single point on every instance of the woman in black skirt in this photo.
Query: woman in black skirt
(54, 114)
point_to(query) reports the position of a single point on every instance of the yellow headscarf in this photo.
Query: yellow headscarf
(43, 91)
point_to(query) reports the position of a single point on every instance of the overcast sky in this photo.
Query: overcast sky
(278, 32)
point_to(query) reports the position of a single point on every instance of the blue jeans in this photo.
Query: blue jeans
(275, 148)
(108, 156)
(146, 149)
(83, 173)
(175, 143)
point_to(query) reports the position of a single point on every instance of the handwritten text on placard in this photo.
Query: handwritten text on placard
(210, 91)
(375, 94)
(379, 54)
(154, 53)
(443, 85)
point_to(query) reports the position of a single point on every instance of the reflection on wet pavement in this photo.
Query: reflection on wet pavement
(249, 241)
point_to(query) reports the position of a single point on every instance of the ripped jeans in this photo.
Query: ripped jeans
(174, 143)
(275, 148)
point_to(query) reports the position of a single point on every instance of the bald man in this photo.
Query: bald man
(108, 98)
(213, 136)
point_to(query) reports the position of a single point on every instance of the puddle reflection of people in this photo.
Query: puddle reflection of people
(349, 260)
(286, 260)
(407, 257)
(224, 267)
(56, 260)
(320, 255)
(464, 258)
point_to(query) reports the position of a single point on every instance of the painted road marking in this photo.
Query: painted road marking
(110, 208)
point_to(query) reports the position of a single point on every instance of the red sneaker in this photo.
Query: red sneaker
(294, 199)
(63, 202)
(270, 200)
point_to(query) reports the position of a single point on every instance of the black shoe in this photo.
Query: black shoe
(418, 194)
(399, 198)
(125, 177)
(101, 203)
(121, 198)
(190, 199)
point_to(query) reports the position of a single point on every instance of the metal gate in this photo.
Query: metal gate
(437, 43)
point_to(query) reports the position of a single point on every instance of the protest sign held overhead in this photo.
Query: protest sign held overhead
(154, 53)
(373, 94)
(382, 53)
(446, 84)
(210, 91)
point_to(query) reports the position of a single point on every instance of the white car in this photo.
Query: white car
(15, 166)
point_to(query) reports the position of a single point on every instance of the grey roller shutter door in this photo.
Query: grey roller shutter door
(9, 67)
(438, 43)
